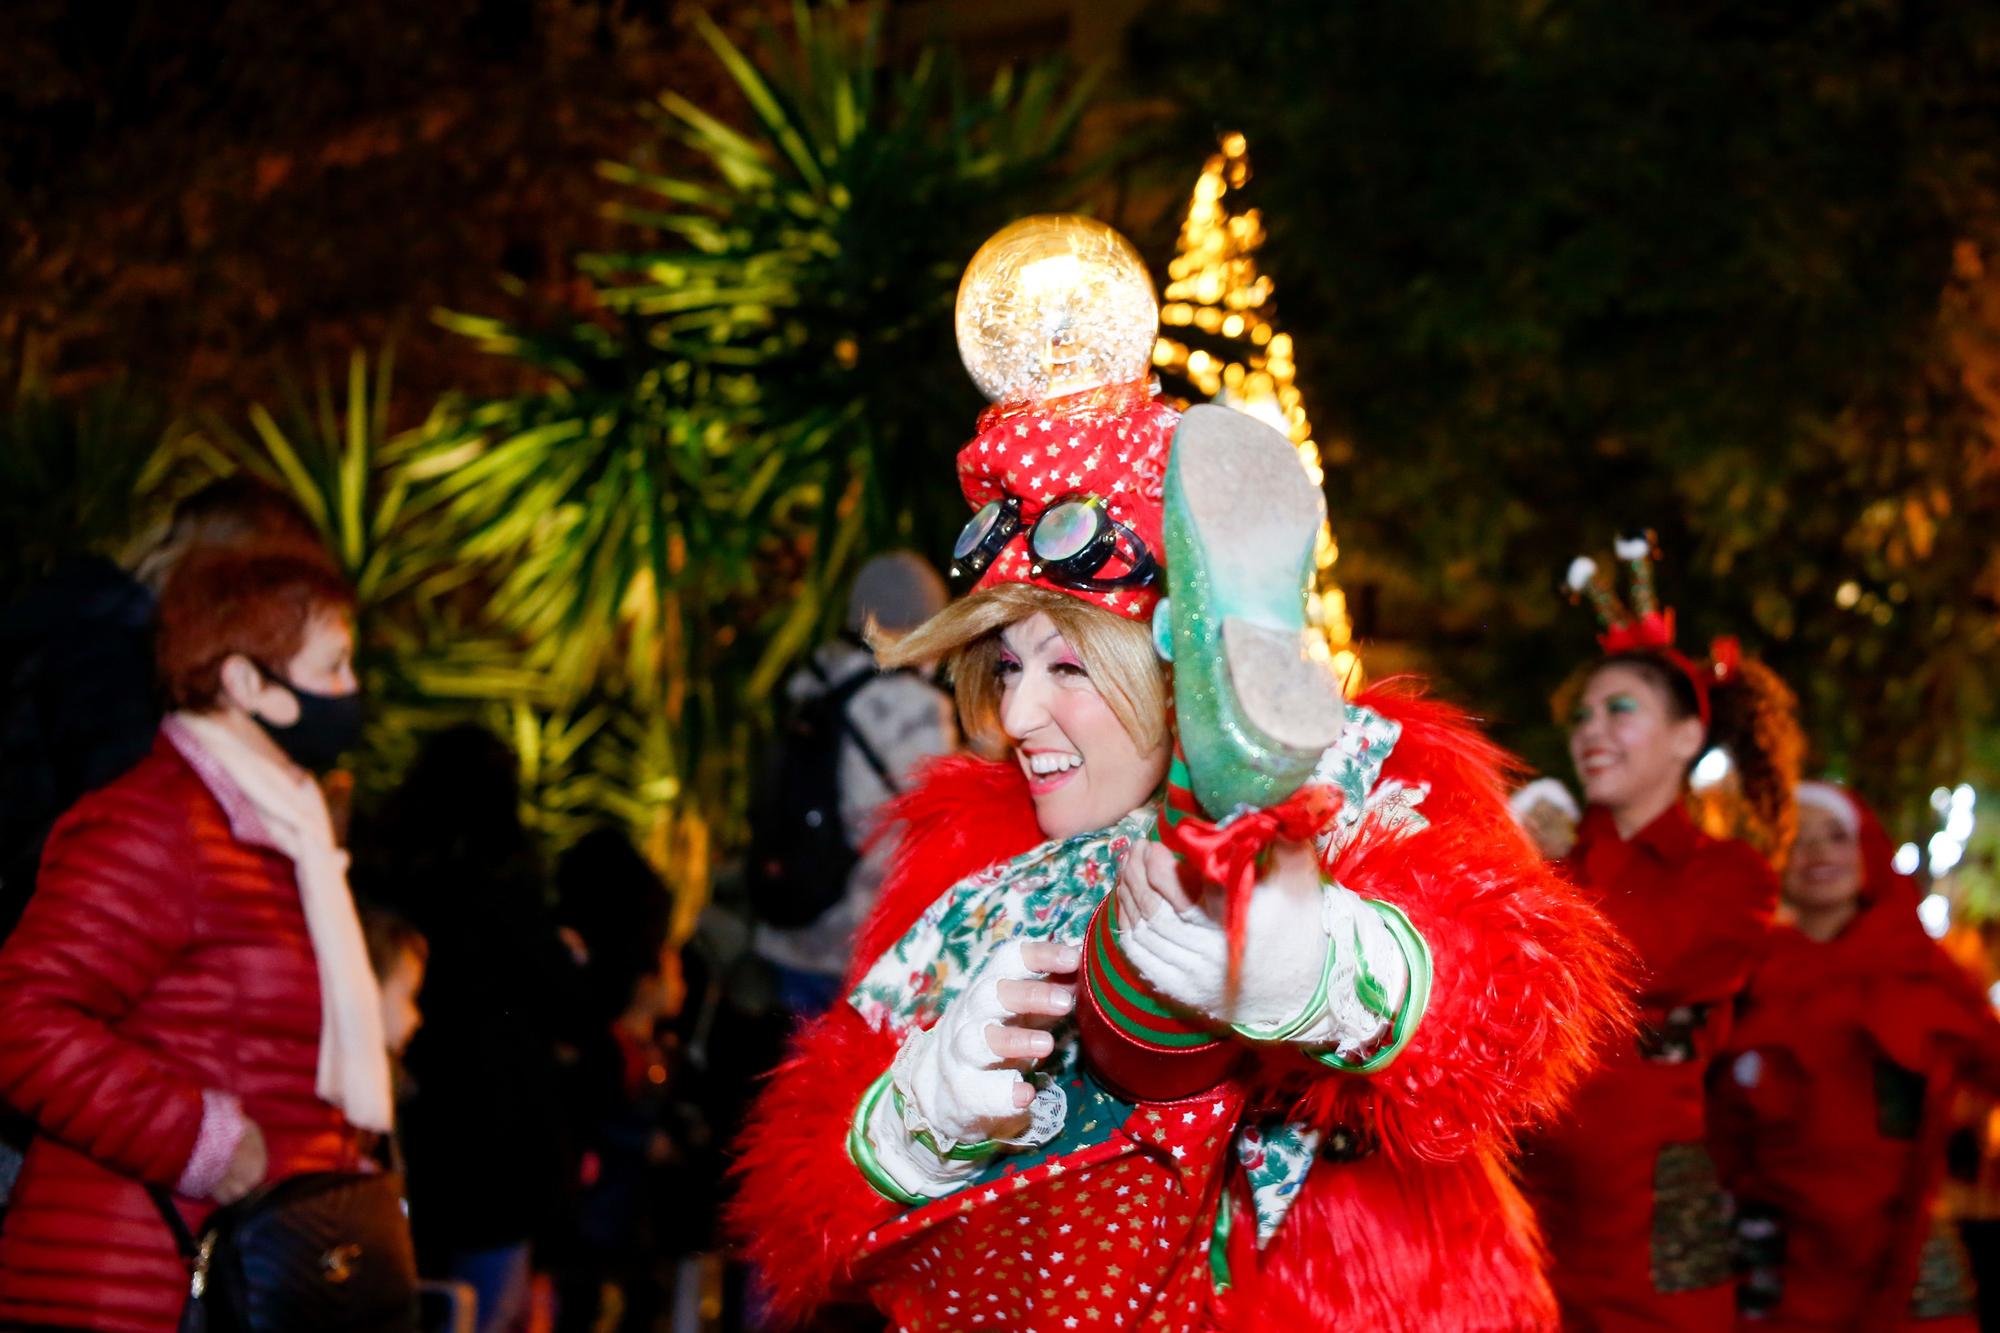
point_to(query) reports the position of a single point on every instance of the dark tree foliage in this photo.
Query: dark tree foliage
(1721, 269)
(196, 194)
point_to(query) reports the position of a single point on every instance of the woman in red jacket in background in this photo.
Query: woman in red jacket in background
(1627, 1193)
(187, 1001)
(1831, 1117)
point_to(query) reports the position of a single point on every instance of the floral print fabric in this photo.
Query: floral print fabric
(1050, 893)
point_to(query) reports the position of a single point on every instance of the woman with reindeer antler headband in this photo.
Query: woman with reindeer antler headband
(1624, 1184)
(1215, 1000)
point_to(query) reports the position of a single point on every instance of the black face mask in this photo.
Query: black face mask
(329, 726)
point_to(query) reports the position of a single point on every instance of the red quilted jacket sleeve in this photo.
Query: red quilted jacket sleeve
(113, 906)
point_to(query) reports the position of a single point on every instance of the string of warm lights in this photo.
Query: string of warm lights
(1213, 285)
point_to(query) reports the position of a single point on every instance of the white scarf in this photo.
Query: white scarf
(353, 1057)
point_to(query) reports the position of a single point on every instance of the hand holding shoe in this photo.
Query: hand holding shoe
(1181, 946)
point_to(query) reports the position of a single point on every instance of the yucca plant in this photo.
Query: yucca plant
(335, 456)
(767, 384)
(428, 655)
(600, 760)
(76, 475)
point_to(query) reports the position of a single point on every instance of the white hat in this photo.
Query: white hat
(1833, 800)
(1543, 791)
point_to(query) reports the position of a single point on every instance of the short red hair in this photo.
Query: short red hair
(256, 601)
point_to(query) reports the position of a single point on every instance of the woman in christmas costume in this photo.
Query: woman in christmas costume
(1064, 1093)
(1624, 1186)
(1831, 1117)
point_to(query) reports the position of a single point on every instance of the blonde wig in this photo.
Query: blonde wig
(965, 639)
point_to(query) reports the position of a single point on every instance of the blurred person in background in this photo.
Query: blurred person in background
(187, 1002)
(856, 737)
(1835, 1105)
(448, 850)
(82, 705)
(398, 953)
(1971, 1192)
(646, 1171)
(1625, 1187)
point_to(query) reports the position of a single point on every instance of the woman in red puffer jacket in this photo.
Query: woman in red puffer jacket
(182, 1004)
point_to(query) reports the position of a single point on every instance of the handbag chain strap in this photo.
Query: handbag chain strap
(197, 1254)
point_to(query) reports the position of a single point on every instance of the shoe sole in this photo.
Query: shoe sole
(1259, 515)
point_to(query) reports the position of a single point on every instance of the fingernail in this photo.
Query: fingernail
(1041, 1043)
(1064, 1000)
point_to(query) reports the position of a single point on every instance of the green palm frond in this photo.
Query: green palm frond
(596, 761)
(76, 475)
(431, 654)
(332, 452)
(767, 387)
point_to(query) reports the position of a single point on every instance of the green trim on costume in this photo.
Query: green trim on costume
(1314, 1007)
(1416, 1000)
(1178, 779)
(964, 1152)
(1218, 1242)
(1368, 987)
(861, 1151)
(1104, 938)
(1134, 999)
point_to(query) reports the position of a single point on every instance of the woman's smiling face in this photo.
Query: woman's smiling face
(1824, 871)
(1084, 770)
(1628, 747)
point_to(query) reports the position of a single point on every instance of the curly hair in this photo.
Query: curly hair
(1755, 720)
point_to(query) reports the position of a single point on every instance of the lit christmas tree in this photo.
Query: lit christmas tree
(1217, 301)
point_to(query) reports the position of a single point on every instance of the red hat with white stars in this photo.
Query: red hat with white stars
(1109, 444)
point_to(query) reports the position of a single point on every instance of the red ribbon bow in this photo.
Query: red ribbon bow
(1227, 854)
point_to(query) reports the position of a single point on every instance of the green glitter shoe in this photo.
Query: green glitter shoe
(1253, 709)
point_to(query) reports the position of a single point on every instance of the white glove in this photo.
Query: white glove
(1295, 917)
(956, 1090)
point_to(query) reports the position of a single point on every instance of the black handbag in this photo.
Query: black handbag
(322, 1252)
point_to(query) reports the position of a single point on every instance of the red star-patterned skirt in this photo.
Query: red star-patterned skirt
(1110, 1237)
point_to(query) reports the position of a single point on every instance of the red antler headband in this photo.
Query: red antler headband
(1651, 631)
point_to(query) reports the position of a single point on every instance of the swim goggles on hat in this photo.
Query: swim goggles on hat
(1072, 540)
